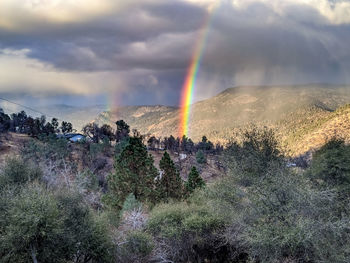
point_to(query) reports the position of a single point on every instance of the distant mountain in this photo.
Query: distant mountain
(157, 120)
(79, 116)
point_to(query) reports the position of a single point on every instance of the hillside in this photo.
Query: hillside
(295, 111)
(316, 129)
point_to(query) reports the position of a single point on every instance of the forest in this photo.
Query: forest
(56, 206)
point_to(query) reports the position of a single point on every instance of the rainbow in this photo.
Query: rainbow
(191, 76)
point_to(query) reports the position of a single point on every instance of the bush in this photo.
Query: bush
(17, 172)
(330, 166)
(32, 228)
(187, 232)
(139, 243)
(130, 203)
(37, 224)
(250, 156)
(135, 246)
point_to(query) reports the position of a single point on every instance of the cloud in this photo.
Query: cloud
(140, 48)
(21, 74)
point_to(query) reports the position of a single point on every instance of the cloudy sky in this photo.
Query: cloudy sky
(138, 51)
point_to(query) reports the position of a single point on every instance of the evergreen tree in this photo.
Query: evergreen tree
(194, 181)
(170, 184)
(134, 173)
(200, 157)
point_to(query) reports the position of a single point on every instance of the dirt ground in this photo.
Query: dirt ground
(11, 144)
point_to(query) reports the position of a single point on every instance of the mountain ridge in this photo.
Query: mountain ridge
(288, 109)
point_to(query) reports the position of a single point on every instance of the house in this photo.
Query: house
(74, 137)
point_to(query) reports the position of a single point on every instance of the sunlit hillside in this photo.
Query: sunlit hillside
(296, 112)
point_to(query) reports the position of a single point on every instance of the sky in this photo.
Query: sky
(133, 52)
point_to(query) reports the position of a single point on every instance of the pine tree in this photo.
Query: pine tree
(194, 181)
(134, 173)
(200, 157)
(170, 184)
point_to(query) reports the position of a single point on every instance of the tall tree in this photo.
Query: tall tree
(134, 173)
(5, 121)
(170, 184)
(19, 120)
(66, 127)
(92, 131)
(123, 130)
(107, 132)
(194, 181)
(152, 142)
(55, 124)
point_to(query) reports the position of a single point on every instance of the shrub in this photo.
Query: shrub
(186, 232)
(38, 225)
(252, 154)
(330, 166)
(17, 172)
(130, 203)
(33, 228)
(135, 246)
(139, 243)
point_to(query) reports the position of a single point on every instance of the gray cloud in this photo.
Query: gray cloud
(143, 50)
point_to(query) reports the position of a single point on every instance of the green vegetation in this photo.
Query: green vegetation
(16, 172)
(134, 173)
(169, 185)
(194, 181)
(40, 226)
(57, 206)
(331, 166)
(200, 157)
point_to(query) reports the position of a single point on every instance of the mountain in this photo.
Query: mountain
(79, 116)
(296, 112)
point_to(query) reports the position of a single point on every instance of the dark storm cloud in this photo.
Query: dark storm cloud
(149, 45)
(107, 43)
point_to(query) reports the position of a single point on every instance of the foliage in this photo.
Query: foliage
(251, 155)
(93, 132)
(5, 121)
(194, 181)
(119, 146)
(130, 204)
(17, 172)
(134, 173)
(49, 148)
(123, 130)
(86, 232)
(39, 225)
(169, 185)
(330, 167)
(32, 227)
(66, 127)
(187, 232)
(107, 132)
(200, 157)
